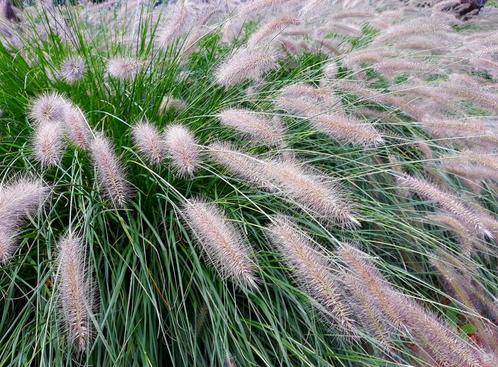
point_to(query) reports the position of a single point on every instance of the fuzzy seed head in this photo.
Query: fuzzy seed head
(182, 147)
(47, 108)
(18, 199)
(311, 269)
(179, 22)
(244, 64)
(76, 295)
(253, 125)
(271, 28)
(315, 192)
(221, 242)
(7, 244)
(48, 143)
(312, 191)
(149, 141)
(72, 69)
(109, 171)
(124, 68)
(444, 200)
(344, 128)
(76, 127)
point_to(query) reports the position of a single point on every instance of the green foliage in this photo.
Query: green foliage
(160, 303)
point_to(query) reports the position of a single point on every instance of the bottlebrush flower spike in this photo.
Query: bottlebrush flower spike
(443, 346)
(270, 28)
(72, 69)
(18, 199)
(245, 64)
(149, 141)
(241, 164)
(48, 143)
(49, 107)
(313, 191)
(360, 267)
(123, 67)
(470, 89)
(177, 24)
(77, 127)
(367, 56)
(76, 295)
(344, 128)
(254, 125)
(311, 270)
(459, 131)
(7, 244)
(221, 242)
(444, 200)
(182, 148)
(109, 171)
(257, 6)
(465, 237)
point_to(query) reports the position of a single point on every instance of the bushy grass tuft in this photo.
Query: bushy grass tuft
(258, 184)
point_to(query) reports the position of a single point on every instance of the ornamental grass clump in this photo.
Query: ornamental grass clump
(248, 183)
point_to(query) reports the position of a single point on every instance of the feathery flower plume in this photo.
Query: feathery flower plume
(391, 67)
(418, 26)
(473, 165)
(466, 238)
(169, 102)
(76, 296)
(313, 103)
(311, 270)
(344, 128)
(49, 107)
(149, 141)
(182, 148)
(422, 43)
(459, 130)
(329, 47)
(298, 106)
(222, 244)
(72, 69)
(444, 346)
(271, 28)
(254, 125)
(177, 24)
(444, 200)
(240, 164)
(423, 91)
(48, 144)
(109, 170)
(467, 88)
(7, 244)
(76, 126)
(371, 319)
(315, 192)
(352, 14)
(257, 6)
(344, 29)
(316, 94)
(18, 199)
(123, 67)
(245, 64)
(367, 56)
(360, 267)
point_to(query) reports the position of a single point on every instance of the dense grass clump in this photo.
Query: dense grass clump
(257, 183)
